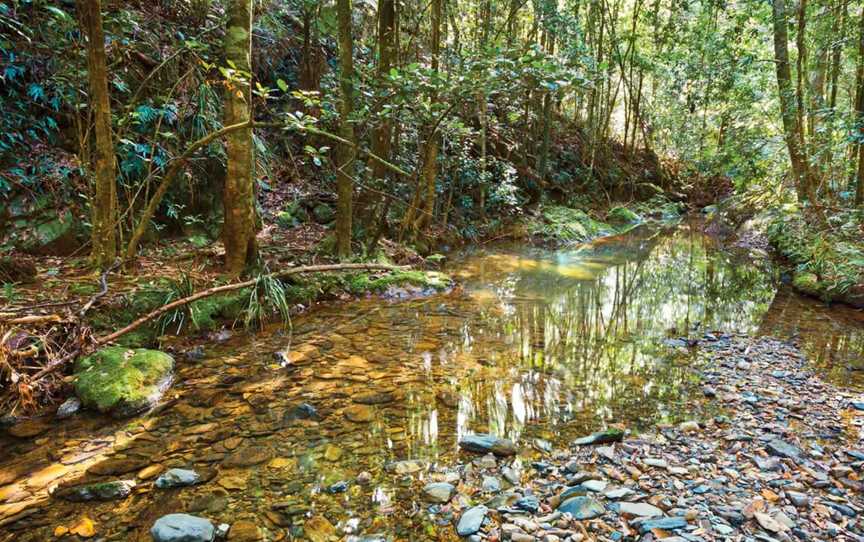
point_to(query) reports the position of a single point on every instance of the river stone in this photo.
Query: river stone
(582, 508)
(177, 478)
(471, 520)
(639, 509)
(248, 456)
(782, 448)
(303, 411)
(406, 466)
(28, 428)
(244, 531)
(318, 529)
(484, 443)
(69, 408)
(374, 398)
(104, 491)
(601, 437)
(438, 492)
(182, 528)
(359, 414)
(121, 381)
(666, 524)
(116, 465)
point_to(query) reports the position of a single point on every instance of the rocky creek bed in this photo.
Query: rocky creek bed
(470, 414)
(772, 453)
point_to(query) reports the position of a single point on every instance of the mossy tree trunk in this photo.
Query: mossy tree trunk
(859, 115)
(344, 153)
(104, 200)
(238, 232)
(429, 172)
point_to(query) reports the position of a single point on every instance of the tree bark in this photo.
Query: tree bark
(345, 153)
(386, 60)
(238, 198)
(104, 201)
(859, 115)
(430, 160)
(788, 106)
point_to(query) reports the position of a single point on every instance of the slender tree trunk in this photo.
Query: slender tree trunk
(345, 154)
(104, 201)
(386, 61)
(788, 105)
(859, 115)
(430, 159)
(238, 198)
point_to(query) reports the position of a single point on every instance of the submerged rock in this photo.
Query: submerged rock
(177, 478)
(601, 437)
(485, 443)
(182, 528)
(103, 491)
(438, 492)
(471, 520)
(582, 508)
(123, 382)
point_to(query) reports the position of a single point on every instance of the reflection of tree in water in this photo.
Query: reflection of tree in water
(832, 337)
(576, 335)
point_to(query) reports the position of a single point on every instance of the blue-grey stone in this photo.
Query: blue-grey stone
(857, 405)
(782, 448)
(69, 408)
(471, 520)
(529, 503)
(485, 443)
(601, 437)
(177, 478)
(439, 492)
(667, 524)
(582, 508)
(100, 491)
(182, 528)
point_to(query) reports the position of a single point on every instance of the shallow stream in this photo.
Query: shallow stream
(534, 345)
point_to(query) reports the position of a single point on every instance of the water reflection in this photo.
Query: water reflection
(536, 344)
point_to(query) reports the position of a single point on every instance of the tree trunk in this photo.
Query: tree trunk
(104, 201)
(238, 198)
(859, 115)
(788, 106)
(344, 153)
(430, 159)
(386, 60)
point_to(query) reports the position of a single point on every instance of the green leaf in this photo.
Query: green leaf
(283, 86)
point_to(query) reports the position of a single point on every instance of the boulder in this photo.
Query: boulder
(182, 528)
(123, 382)
(485, 443)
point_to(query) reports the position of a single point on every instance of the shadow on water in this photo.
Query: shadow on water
(536, 344)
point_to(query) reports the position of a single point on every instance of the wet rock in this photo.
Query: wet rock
(116, 466)
(407, 466)
(438, 492)
(374, 398)
(182, 528)
(122, 382)
(582, 508)
(471, 520)
(485, 443)
(318, 529)
(689, 427)
(359, 414)
(782, 448)
(332, 453)
(491, 484)
(177, 478)
(68, 408)
(798, 500)
(103, 491)
(303, 411)
(28, 428)
(601, 437)
(337, 487)
(248, 456)
(245, 531)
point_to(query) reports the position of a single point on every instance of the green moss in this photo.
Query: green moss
(566, 225)
(622, 216)
(362, 283)
(122, 381)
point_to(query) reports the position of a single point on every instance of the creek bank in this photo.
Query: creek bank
(772, 453)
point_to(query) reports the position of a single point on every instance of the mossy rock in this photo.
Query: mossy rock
(567, 225)
(123, 382)
(52, 236)
(622, 216)
(808, 283)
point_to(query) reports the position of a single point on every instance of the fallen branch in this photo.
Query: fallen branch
(101, 341)
(34, 319)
